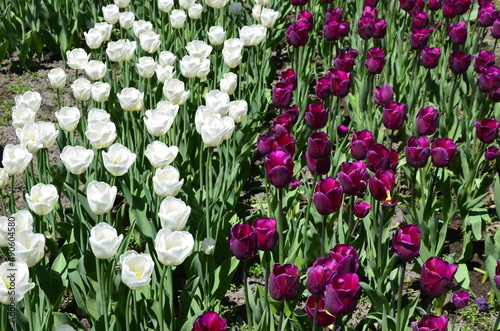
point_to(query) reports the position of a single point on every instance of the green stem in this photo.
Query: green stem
(281, 253)
(170, 291)
(12, 201)
(497, 322)
(315, 315)
(266, 270)
(351, 218)
(247, 302)
(102, 306)
(280, 323)
(4, 208)
(208, 191)
(128, 311)
(162, 296)
(308, 209)
(379, 239)
(323, 231)
(399, 327)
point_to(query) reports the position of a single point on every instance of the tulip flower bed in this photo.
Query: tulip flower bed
(176, 150)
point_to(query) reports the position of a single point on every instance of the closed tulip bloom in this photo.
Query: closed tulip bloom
(489, 79)
(21, 280)
(98, 115)
(146, 67)
(42, 198)
(4, 178)
(369, 11)
(340, 83)
(316, 115)
(111, 13)
(81, 89)
(382, 184)
(419, 38)
(427, 121)
(57, 78)
(190, 66)
(95, 70)
(318, 275)
(77, 58)
(174, 91)
(101, 197)
(383, 94)
(487, 16)
(68, 118)
(238, 110)
(100, 91)
(49, 133)
(158, 122)
(21, 116)
(118, 159)
(195, 11)
(150, 41)
(327, 196)
(30, 136)
(160, 155)
(442, 151)
(23, 221)
(487, 130)
(394, 115)
(420, 20)
(318, 145)
(208, 245)
(30, 247)
(406, 242)
(430, 57)
(122, 3)
(458, 33)
(186, 4)
(104, 241)
(173, 214)
(345, 60)
(323, 88)
(381, 157)
(459, 62)
(174, 247)
(334, 30)
(101, 134)
(76, 159)
(127, 20)
(120, 50)
(284, 282)
(361, 142)
(243, 241)
(342, 295)
(431, 322)
(136, 269)
(458, 7)
(167, 182)
(366, 27)
(460, 299)
(165, 5)
(29, 100)
(297, 34)
(483, 60)
(232, 52)
(279, 168)
(267, 235)
(15, 159)
(216, 129)
(345, 258)
(105, 29)
(252, 35)
(216, 35)
(166, 58)
(491, 153)
(361, 209)
(228, 83)
(323, 318)
(131, 99)
(289, 76)
(178, 18)
(140, 27)
(417, 151)
(353, 177)
(282, 93)
(210, 321)
(375, 60)
(434, 4)
(93, 38)
(268, 17)
(318, 166)
(164, 73)
(437, 276)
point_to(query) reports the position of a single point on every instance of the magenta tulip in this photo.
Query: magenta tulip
(327, 196)
(427, 121)
(345, 258)
(406, 242)
(243, 241)
(437, 276)
(381, 157)
(342, 295)
(316, 115)
(375, 60)
(459, 62)
(382, 184)
(487, 130)
(279, 168)
(323, 318)
(284, 282)
(353, 177)
(361, 209)
(210, 321)
(383, 94)
(394, 115)
(417, 151)
(431, 322)
(442, 151)
(361, 142)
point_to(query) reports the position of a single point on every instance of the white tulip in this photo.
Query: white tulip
(216, 35)
(208, 246)
(235, 8)
(218, 4)
(81, 89)
(104, 241)
(160, 155)
(23, 220)
(158, 122)
(18, 279)
(136, 269)
(140, 27)
(263, 2)
(49, 133)
(174, 91)
(30, 100)
(30, 247)
(76, 159)
(146, 67)
(127, 20)
(150, 41)
(21, 116)
(105, 29)
(42, 198)
(256, 12)
(228, 83)
(164, 73)
(93, 38)
(118, 159)
(173, 214)
(165, 5)
(252, 35)
(100, 91)
(131, 99)
(238, 110)
(195, 11)
(232, 52)
(217, 102)
(121, 50)
(216, 129)
(168, 107)
(268, 17)
(189, 66)
(166, 58)
(68, 118)
(30, 136)
(173, 247)
(95, 70)
(122, 3)
(111, 13)
(57, 78)
(199, 49)
(77, 58)
(178, 18)
(186, 4)
(101, 134)
(98, 115)
(4, 178)
(15, 159)
(167, 182)
(101, 197)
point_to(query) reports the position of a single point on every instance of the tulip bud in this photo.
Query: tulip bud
(437, 276)
(127, 20)
(417, 151)
(210, 321)
(430, 57)
(460, 299)
(383, 94)
(282, 93)
(381, 157)
(406, 242)
(208, 246)
(195, 11)
(442, 151)
(216, 35)
(228, 83)
(361, 209)
(297, 34)
(427, 121)
(361, 142)
(342, 131)
(243, 241)
(101, 197)
(327, 197)
(459, 62)
(267, 235)
(167, 182)
(491, 153)
(342, 295)
(76, 159)
(290, 77)
(284, 282)
(178, 18)
(394, 115)
(104, 241)
(81, 89)
(279, 168)
(57, 78)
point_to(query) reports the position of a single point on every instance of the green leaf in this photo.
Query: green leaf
(462, 276)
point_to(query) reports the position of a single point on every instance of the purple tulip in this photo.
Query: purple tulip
(491, 153)
(342, 131)
(381, 157)
(243, 241)
(319, 274)
(442, 151)
(361, 142)
(318, 145)
(327, 196)
(427, 121)
(489, 79)
(371, 3)
(406, 242)
(458, 33)
(495, 95)
(420, 20)
(279, 168)
(486, 16)
(323, 318)
(353, 177)
(394, 115)
(407, 5)
(299, 3)
(430, 57)
(419, 38)
(459, 62)
(345, 258)
(342, 295)
(487, 130)
(267, 235)
(323, 88)
(460, 299)
(306, 16)
(210, 321)
(297, 34)
(284, 142)
(265, 144)
(282, 93)
(366, 27)
(375, 60)
(316, 115)
(431, 322)
(483, 60)
(284, 282)
(290, 77)
(417, 151)
(496, 278)
(320, 166)
(482, 304)
(495, 28)
(453, 8)
(369, 11)
(382, 184)
(345, 60)
(340, 82)
(437, 276)
(334, 30)
(383, 94)
(361, 209)
(434, 4)
(333, 14)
